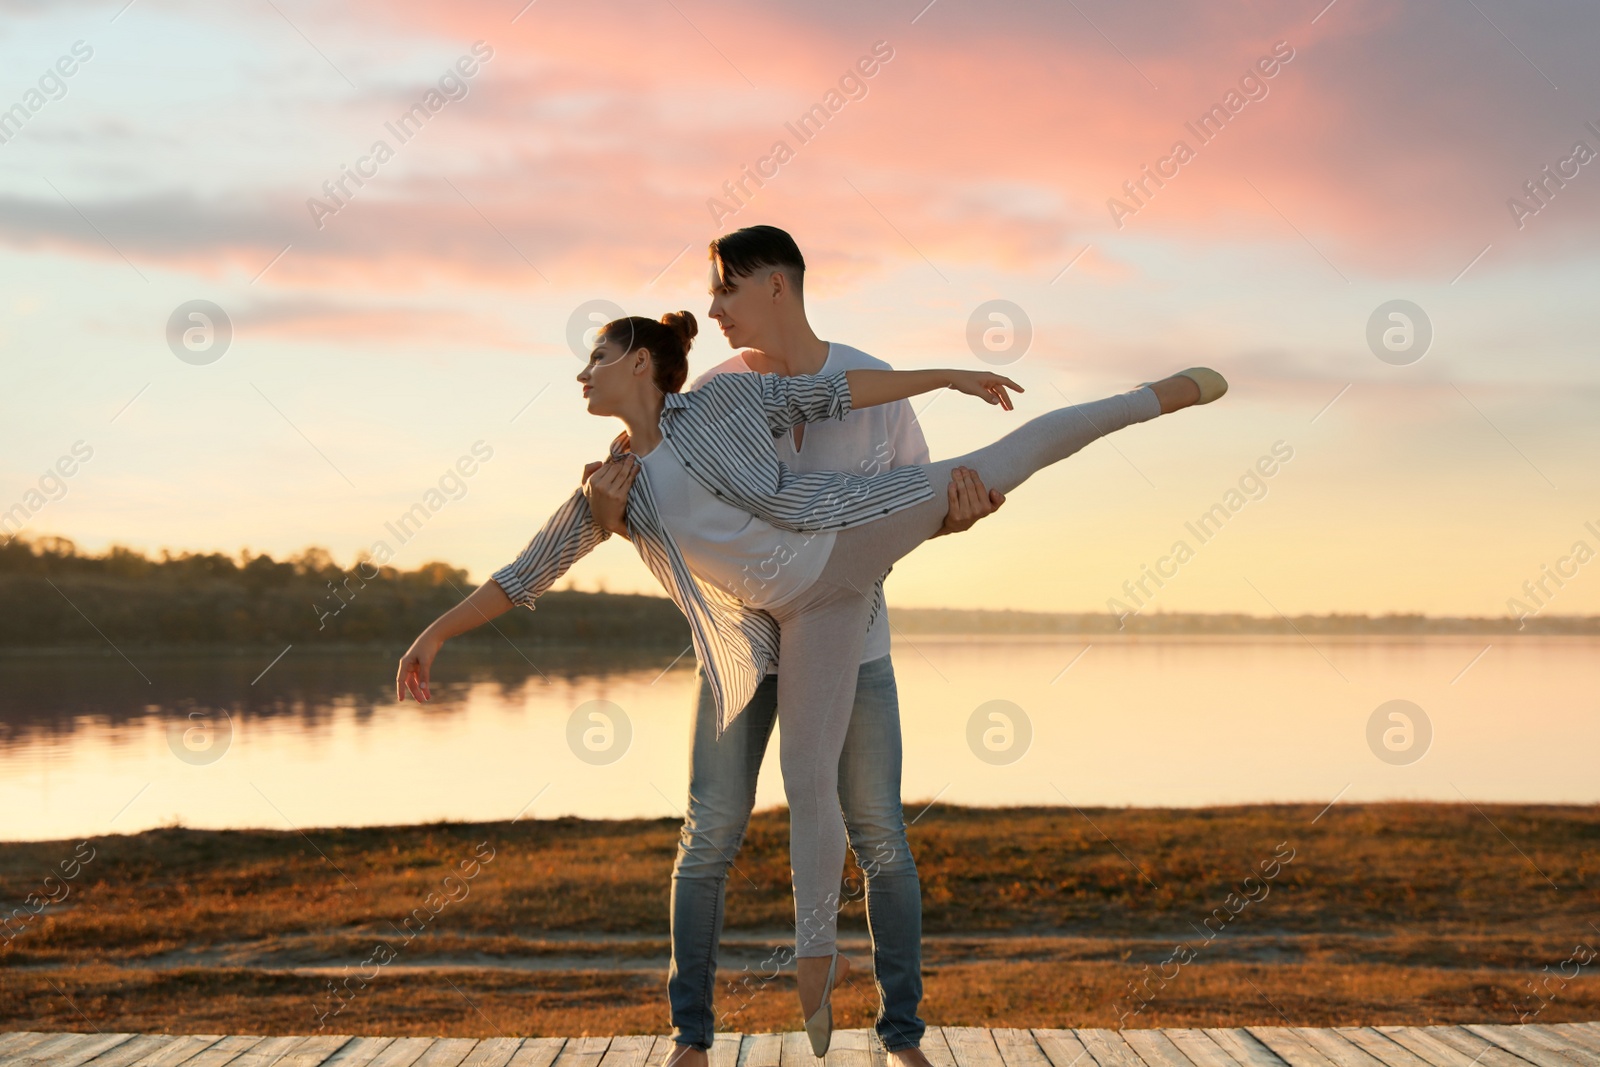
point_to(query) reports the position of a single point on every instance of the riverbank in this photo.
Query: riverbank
(1374, 913)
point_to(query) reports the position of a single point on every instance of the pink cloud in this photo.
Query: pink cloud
(994, 137)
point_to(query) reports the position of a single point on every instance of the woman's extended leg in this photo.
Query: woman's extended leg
(863, 553)
(823, 629)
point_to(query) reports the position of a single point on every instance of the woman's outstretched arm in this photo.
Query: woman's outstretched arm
(486, 602)
(869, 388)
(564, 539)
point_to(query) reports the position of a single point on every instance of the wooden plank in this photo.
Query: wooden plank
(1155, 1048)
(661, 1047)
(1107, 1048)
(14, 1041)
(1019, 1049)
(1513, 1040)
(80, 1050)
(666, 1048)
(796, 1051)
(1428, 1046)
(1575, 1033)
(358, 1052)
(182, 1050)
(133, 1050)
(1553, 1040)
(1061, 1047)
(630, 1051)
(972, 1046)
(1485, 1052)
(1340, 1050)
(1381, 1047)
(760, 1050)
(582, 1052)
(1289, 1046)
(490, 1052)
(445, 1052)
(1243, 1046)
(724, 1051)
(936, 1048)
(265, 1050)
(402, 1052)
(850, 1048)
(40, 1051)
(538, 1052)
(1199, 1048)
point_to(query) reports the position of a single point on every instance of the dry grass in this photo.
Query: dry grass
(1392, 913)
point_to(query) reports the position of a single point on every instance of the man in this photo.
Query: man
(757, 299)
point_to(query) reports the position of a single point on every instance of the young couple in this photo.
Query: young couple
(770, 504)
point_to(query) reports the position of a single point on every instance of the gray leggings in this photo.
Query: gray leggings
(823, 630)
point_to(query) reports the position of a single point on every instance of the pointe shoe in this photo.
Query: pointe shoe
(1212, 385)
(819, 1028)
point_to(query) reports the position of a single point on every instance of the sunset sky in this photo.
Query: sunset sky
(379, 334)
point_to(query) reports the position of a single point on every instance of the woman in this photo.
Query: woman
(753, 552)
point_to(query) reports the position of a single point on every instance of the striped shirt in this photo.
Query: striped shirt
(724, 434)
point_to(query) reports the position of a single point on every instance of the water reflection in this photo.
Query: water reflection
(92, 744)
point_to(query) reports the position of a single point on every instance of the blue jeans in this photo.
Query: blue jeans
(722, 793)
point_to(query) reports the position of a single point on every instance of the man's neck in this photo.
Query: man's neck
(795, 352)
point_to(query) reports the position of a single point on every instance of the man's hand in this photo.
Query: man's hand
(606, 486)
(969, 501)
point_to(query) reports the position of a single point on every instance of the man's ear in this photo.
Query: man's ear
(777, 283)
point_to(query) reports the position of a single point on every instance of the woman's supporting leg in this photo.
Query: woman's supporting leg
(862, 554)
(822, 634)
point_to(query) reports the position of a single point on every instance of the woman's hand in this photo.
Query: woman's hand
(606, 485)
(983, 384)
(415, 666)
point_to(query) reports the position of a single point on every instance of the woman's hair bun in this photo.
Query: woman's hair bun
(682, 323)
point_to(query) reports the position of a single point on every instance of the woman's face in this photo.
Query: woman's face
(612, 376)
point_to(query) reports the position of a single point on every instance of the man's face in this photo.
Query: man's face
(742, 307)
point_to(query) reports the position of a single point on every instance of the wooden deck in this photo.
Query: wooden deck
(1553, 1045)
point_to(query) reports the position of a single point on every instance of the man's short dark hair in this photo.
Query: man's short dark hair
(743, 252)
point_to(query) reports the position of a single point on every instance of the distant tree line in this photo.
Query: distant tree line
(53, 595)
(956, 621)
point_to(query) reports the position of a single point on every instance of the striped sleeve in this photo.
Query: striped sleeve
(569, 535)
(791, 400)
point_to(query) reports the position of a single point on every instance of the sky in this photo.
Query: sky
(1150, 186)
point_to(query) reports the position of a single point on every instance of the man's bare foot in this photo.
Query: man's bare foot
(909, 1057)
(1176, 392)
(686, 1056)
(812, 973)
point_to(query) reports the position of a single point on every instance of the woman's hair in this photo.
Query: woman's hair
(667, 340)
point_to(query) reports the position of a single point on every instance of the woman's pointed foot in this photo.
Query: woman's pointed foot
(1197, 385)
(908, 1057)
(817, 978)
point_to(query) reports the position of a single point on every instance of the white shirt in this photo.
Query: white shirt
(759, 563)
(864, 442)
